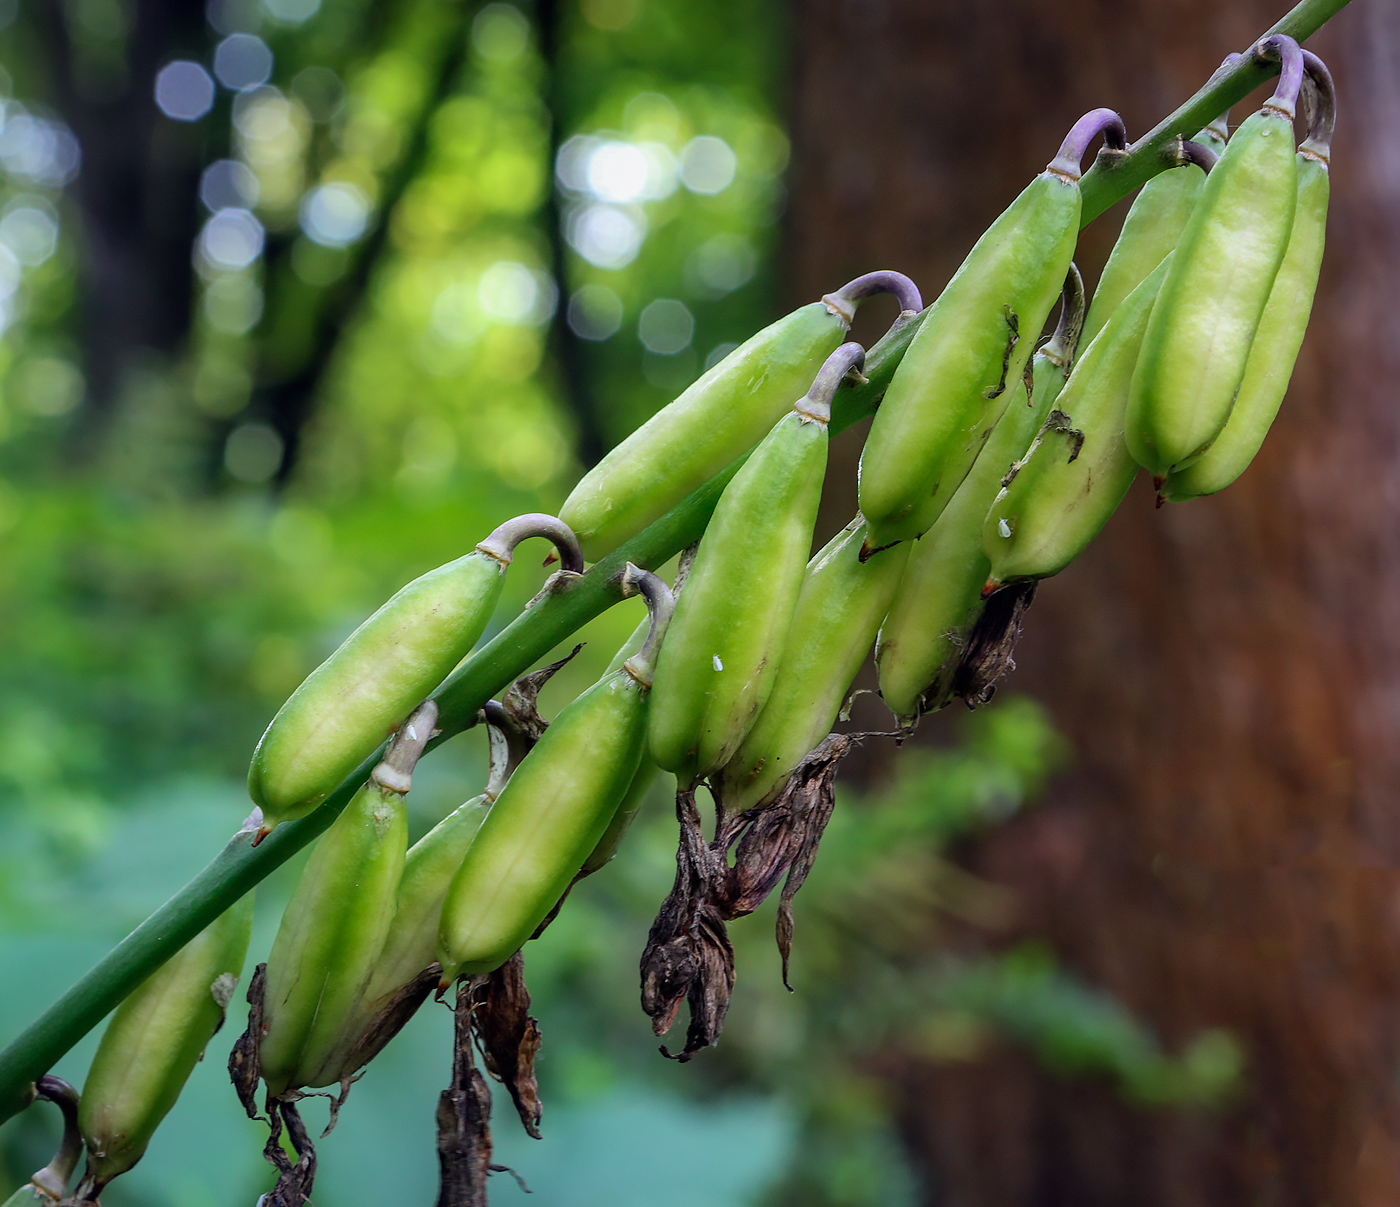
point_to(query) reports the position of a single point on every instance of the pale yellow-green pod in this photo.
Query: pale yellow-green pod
(839, 610)
(1285, 319)
(961, 369)
(554, 811)
(1078, 469)
(717, 419)
(940, 593)
(333, 929)
(723, 649)
(153, 1042)
(1198, 340)
(355, 699)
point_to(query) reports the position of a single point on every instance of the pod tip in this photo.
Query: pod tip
(551, 559)
(990, 587)
(262, 833)
(1161, 500)
(1157, 480)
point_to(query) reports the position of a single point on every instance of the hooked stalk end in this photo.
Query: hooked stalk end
(1284, 50)
(1185, 151)
(395, 771)
(1319, 96)
(1060, 347)
(844, 301)
(501, 543)
(660, 604)
(815, 405)
(1068, 164)
(53, 1179)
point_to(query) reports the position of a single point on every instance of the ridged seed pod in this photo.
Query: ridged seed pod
(718, 418)
(939, 597)
(962, 367)
(839, 610)
(1078, 470)
(1280, 333)
(722, 652)
(553, 812)
(1198, 341)
(153, 1042)
(333, 929)
(351, 702)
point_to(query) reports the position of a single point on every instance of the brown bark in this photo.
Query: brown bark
(1223, 851)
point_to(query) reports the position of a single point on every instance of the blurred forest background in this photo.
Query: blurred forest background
(300, 298)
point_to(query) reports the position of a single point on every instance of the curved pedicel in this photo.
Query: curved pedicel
(1290, 79)
(395, 771)
(501, 543)
(53, 1179)
(815, 405)
(1193, 152)
(509, 744)
(1059, 349)
(845, 300)
(1069, 163)
(660, 605)
(1320, 108)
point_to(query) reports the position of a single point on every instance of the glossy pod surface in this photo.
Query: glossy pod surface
(958, 375)
(1078, 470)
(1198, 340)
(331, 936)
(352, 701)
(940, 594)
(1277, 340)
(723, 648)
(549, 817)
(840, 607)
(154, 1041)
(718, 418)
(411, 943)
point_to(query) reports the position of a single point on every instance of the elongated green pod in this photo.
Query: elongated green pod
(840, 607)
(1078, 469)
(940, 594)
(1198, 341)
(961, 368)
(333, 929)
(636, 796)
(1154, 225)
(722, 653)
(351, 702)
(152, 1044)
(1280, 333)
(718, 418)
(553, 812)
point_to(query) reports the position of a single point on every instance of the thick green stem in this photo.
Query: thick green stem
(239, 866)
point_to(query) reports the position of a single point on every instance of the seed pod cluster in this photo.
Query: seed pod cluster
(992, 462)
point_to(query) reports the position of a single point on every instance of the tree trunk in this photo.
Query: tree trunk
(1222, 851)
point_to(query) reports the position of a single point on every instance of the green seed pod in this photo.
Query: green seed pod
(940, 594)
(153, 1042)
(553, 812)
(840, 607)
(1154, 224)
(351, 702)
(1078, 470)
(334, 927)
(718, 664)
(647, 775)
(718, 418)
(1284, 322)
(1198, 340)
(959, 372)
